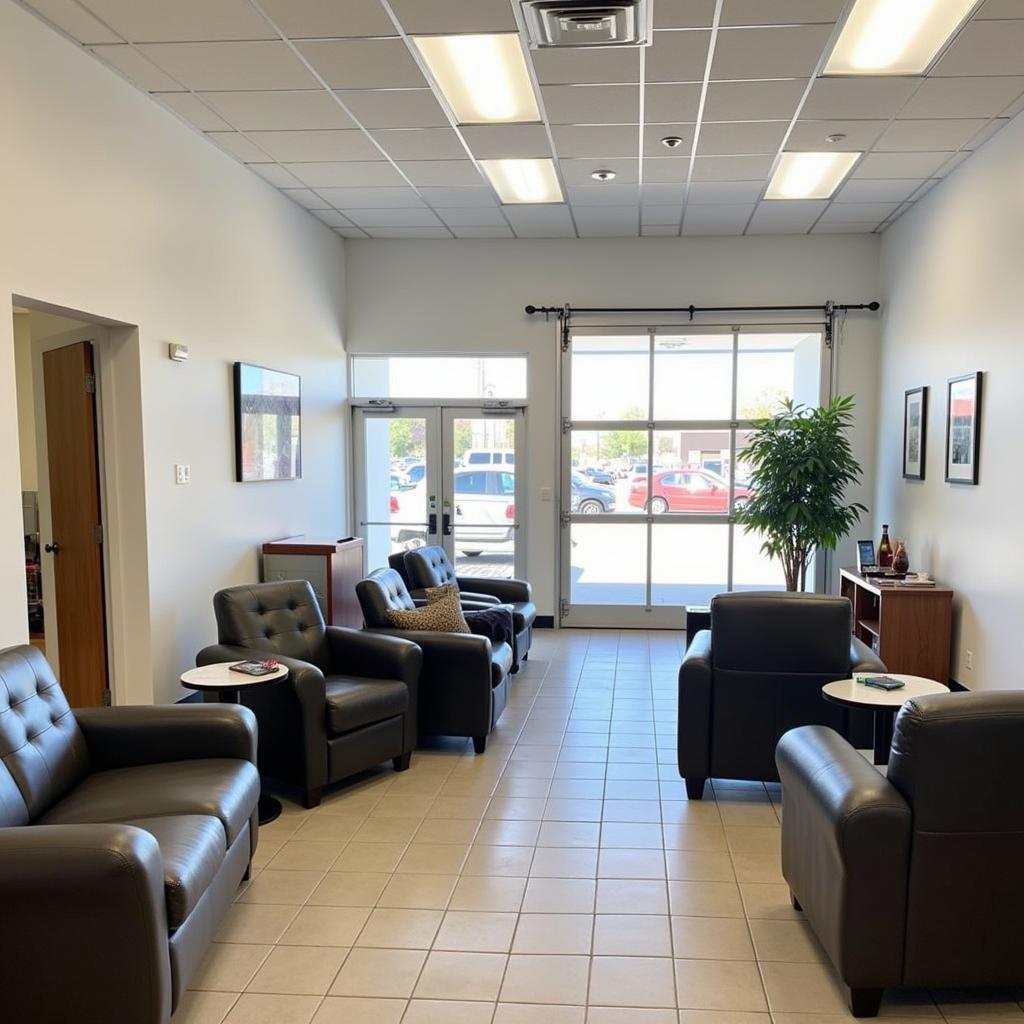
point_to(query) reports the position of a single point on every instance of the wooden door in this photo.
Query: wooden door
(75, 545)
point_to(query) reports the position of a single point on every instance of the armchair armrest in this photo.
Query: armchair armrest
(506, 591)
(360, 653)
(124, 736)
(863, 659)
(693, 744)
(71, 895)
(845, 853)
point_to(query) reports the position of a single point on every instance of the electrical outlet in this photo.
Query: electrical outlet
(970, 661)
(183, 473)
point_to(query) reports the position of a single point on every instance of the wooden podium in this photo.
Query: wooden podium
(333, 567)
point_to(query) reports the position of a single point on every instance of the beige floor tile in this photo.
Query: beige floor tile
(572, 810)
(328, 828)
(440, 1011)
(411, 807)
(802, 988)
(564, 862)
(768, 901)
(711, 938)
(284, 888)
(516, 808)
(631, 896)
(630, 1015)
(786, 941)
(690, 812)
(540, 978)
(699, 865)
(386, 830)
(300, 855)
(390, 928)
(632, 981)
(258, 1008)
(476, 932)
(532, 1013)
(447, 830)
(494, 893)
(569, 833)
(475, 976)
(631, 864)
(508, 833)
(349, 889)
(554, 933)
(705, 899)
(632, 810)
(745, 839)
(466, 808)
(758, 867)
(559, 896)
(694, 837)
(632, 935)
(325, 926)
(204, 1007)
(255, 922)
(298, 970)
(499, 860)
(432, 859)
(418, 892)
(356, 1010)
(389, 973)
(719, 985)
(359, 856)
(229, 966)
(632, 835)
(732, 1017)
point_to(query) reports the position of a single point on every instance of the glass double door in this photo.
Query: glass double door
(441, 475)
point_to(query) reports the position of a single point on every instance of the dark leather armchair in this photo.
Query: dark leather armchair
(464, 681)
(431, 567)
(124, 834)
(759, 672)
(348, 701)
(912, 879)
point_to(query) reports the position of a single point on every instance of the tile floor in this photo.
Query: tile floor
(560, 878)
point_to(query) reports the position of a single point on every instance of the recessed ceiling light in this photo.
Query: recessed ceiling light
(809, 175)
(483, 77)
(603, 175)
(524, 181)
(835, 138)
(672, 141)
(895, 37)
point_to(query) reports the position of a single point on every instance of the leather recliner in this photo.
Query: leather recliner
(464, 681)
(124, 835)
(757, 673)
(431, 567)
(913, 878)
(348, 701)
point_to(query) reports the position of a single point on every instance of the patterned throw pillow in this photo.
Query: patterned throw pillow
(442, 613)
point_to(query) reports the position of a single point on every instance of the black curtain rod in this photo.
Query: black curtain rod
(823, 308)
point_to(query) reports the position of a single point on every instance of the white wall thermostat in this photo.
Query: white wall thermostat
(179, 353)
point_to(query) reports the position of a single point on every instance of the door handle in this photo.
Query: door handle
(432, 523)
(446, 524)
(51, 549)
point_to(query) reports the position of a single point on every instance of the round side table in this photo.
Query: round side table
(219, 685)
(884, 703)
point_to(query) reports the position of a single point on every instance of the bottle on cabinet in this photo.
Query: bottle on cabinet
(885, 548)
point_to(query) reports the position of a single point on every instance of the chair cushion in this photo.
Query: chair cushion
(218, 788)
(501, 662)
(192, 848)
(353, 702)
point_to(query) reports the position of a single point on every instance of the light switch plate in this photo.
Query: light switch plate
(182, 473)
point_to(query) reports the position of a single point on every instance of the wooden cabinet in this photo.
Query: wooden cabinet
(909, 628)
(333, 567)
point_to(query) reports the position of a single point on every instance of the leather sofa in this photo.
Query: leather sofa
(431, 567)
(124, 835)
(913, 878)
(465, 678)
(349, 699)
(757, 673)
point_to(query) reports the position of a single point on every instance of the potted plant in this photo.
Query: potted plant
(801, 466)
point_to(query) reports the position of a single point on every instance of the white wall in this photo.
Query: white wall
(952, 271)
(469, 296)
(121, 212)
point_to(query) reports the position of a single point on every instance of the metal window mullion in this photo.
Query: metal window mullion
(648, 589)
(730, 547)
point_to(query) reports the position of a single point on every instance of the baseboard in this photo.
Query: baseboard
(544, 622)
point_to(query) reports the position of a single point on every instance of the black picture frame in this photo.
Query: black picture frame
(963, 428)
(915, 432)
(264, 398)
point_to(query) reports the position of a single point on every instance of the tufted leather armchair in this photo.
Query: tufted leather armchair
(431, 567)
(349, 700)
(464, 682)
(124, 834)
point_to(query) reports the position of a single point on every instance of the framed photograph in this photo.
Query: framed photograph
(267, 424)
(915, 432)
(963, 418)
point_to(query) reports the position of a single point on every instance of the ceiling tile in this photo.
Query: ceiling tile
(594, 64)
(363, 63)
(724, 193)
(811, 135)
(723, 138)
(671, 103)
(332, 218)
(507, 141)
(900, 165)
(354, 174)
(653, 134)
(677, 57)
(293, 147)
(825, 227)
(781, 12)
(616, 140)
(319, 19)
(247, 65)
(577, 172)
(438, 232)
(662, 194)
(716, 220)
(593, 220)
(858, 212)
(305, 197)
(963, 97)
(157, 21)
(861, 190)
(370, 198)
(661, 215)
(279, 111)
(768, 100)
(608, 193)
(986, 133)
(75, 20)
(238, 146)
(402, 108)
(592, 104)
(466, 197)
(659, 230)
(999, 9)
(434, 17)
(540, 221)
(401, 218)
(193, 110)
(684, 13)
(985, 48)
(421, 144)
(351, 232)
(480, 216)
(785, 217)
(906, 136)
(144, 73)
(858, 97)
(793, 52)
(441, 172)
(666, 170)
(482, 231)
(278, 177)
(731, 168)
(952, 164)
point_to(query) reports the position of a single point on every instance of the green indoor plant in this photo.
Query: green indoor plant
(801, 466)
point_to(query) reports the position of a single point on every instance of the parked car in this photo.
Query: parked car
(485, 510)
(691, 489)
(415, 472)
(599, 476)
(489, 457)
(590, 498)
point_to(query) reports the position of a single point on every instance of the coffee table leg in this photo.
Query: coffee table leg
(884, 718)
(269, 808)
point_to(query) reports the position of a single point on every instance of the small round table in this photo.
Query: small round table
(219, 685)
(884, 703)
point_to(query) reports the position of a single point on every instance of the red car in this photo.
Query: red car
(686, 490)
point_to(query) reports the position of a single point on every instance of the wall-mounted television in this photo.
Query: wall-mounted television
(267, 424)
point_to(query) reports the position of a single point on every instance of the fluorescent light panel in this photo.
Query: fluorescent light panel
(524, 181)
(809, 175)
(483, 77)
(895, 37)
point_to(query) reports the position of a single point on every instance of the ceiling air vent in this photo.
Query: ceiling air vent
(588, 23)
